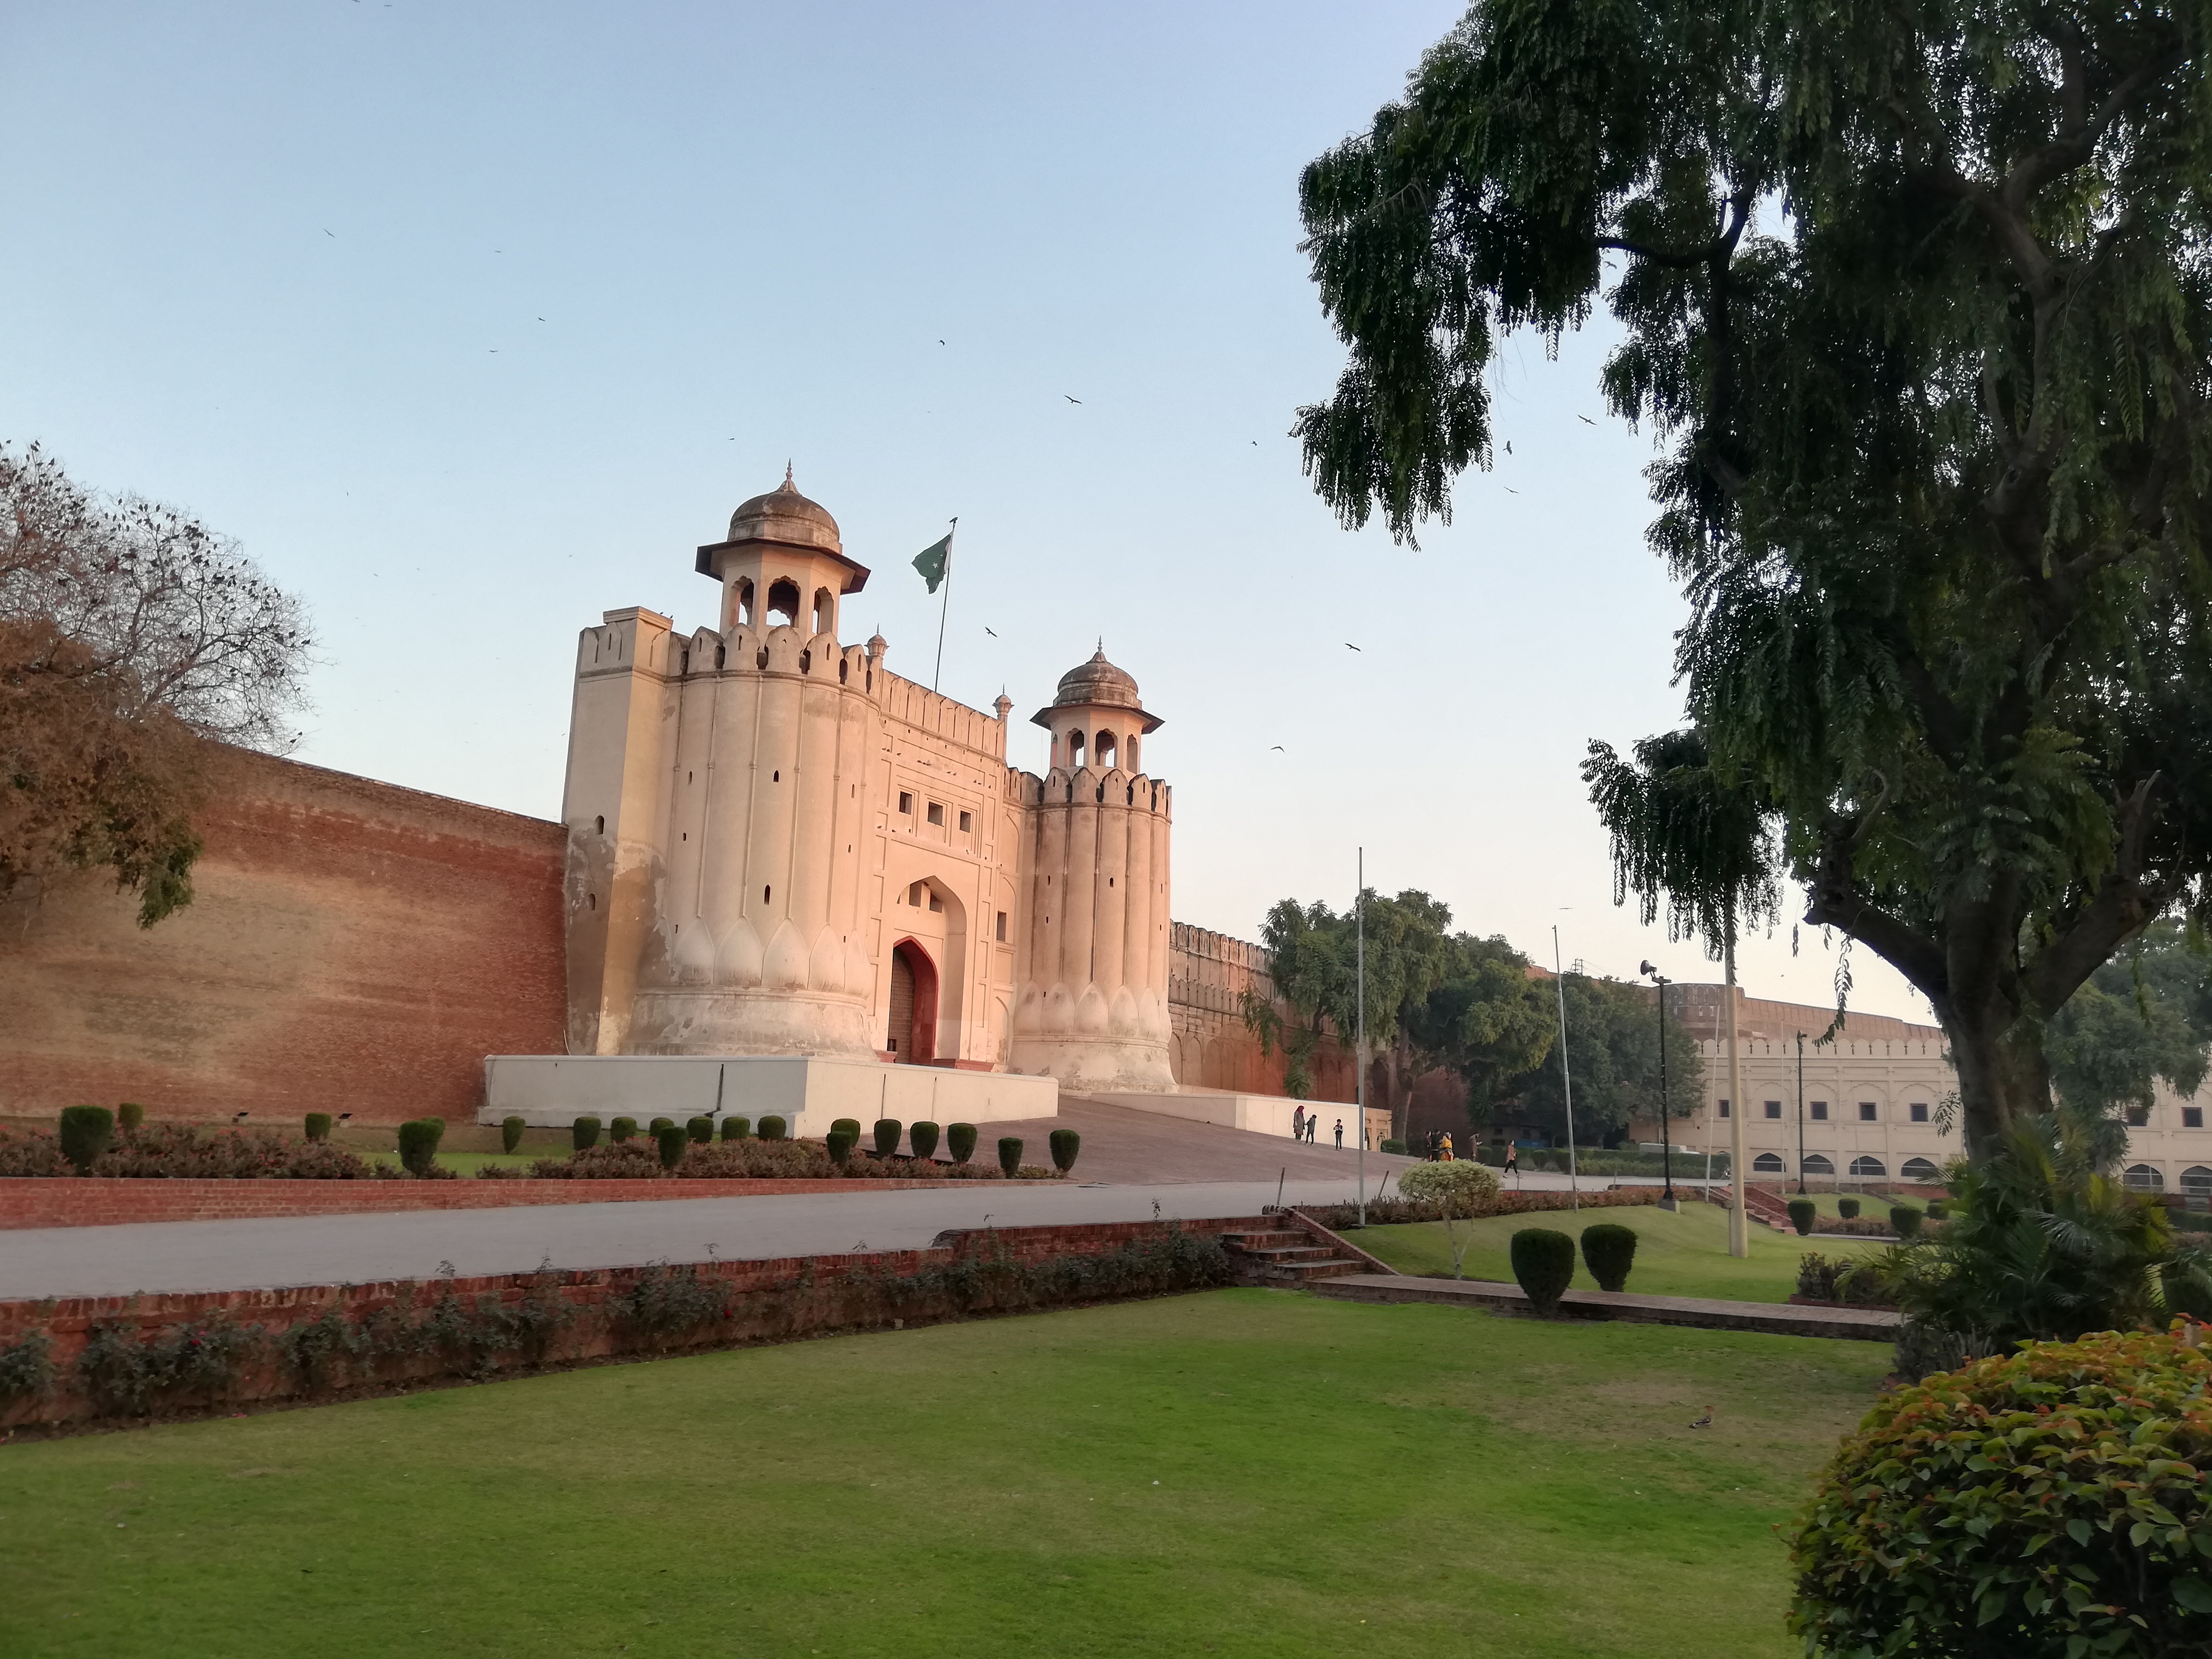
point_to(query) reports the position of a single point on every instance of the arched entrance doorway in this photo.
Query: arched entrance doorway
(911, 1038)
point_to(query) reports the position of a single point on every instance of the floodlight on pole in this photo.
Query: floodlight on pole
(1666, 1201)
(1566, 1076)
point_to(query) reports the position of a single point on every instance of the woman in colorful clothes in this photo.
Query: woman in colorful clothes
(1445, 1151)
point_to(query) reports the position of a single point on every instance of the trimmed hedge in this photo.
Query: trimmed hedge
(1609, 1251)
(2044, 1503)
(888, 1131)
(850, 1126)
(1010, 1153)
(1848, 1208)
(418, 1145)
(1802, 1213)
(672, 1141)
(85, 1132)
(585, 1131)
(1905, 1219)
(659, 1124)
(317, 1127)
(960, 1141)
(839, 1144)
(1543, 1266)
(129, 1116)
(510, 1132)
(737, 1128)
(922, 1138)
(701, 1129)
(1065, 1144)
(774, 1129)
(621, 1130)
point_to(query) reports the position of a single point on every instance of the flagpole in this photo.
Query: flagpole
(944, 608)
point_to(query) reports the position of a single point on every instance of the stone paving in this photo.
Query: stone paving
(1779, 1318)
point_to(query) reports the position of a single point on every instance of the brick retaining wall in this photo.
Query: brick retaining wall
(101, 1201)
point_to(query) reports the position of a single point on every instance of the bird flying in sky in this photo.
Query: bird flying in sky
(1585, 420)
(993, 632)
(1276, 750)
(1349, 646)
(1073, 400)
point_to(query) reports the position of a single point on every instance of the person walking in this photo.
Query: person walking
(1513, 1160)
(1298, 1123)
(1445, 1153)
(1313, 1127)
(1340, 1134)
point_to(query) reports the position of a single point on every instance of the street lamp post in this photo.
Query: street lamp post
(1800, 1114)
(1666, 1141)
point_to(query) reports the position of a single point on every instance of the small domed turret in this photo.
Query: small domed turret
(785, 515)
(1098, 682)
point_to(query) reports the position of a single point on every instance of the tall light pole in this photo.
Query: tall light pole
(1666, 1141)
(1800, 1114)
(1359, 994)
(1566, 1076)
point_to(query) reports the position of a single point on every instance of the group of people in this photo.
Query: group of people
(1306, 1125)
(1440, 1150)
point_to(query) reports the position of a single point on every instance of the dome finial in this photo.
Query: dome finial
(788, 484)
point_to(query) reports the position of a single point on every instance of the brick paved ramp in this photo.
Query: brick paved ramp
(1124, 1143)
(1778, 1318)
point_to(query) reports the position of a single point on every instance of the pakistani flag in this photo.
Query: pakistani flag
(932, 560)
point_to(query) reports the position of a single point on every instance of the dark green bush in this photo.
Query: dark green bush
(1543, 1266)
(659, 1124)
(85, 1132)
(851, 1125)
(840, 1143)
(621, 1130)
(27, 1368)
(1398, 1146)
(129, 1116)
(1802, 1213)
(2048, 1502)
(888, 1131)
(585, 1131)
(1938, 1211)
(1065, 1143)
(737, 1128)
(922, 1138)
(960, 1141)
(510, 1132)
(774, 1129)
(701, 1129)
(1010, 1153)
(418, 1145)
(317, 1126)
(671, 1140)
(1905, 1219)
(1609, 1251)
(1848, 1208)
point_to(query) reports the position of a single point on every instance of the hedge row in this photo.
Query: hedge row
(1389, 1211)
(756, 1160)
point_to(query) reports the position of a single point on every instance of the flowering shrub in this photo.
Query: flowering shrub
(761, 1160)
(185, 1151)
(32, 1153)
(1392, 1211)
(2045, 1504)
(1841, 1279)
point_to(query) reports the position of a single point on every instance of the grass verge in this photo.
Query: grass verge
(1244, 1473)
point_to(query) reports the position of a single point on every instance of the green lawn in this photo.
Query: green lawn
(1685, 1253)
(1244, 1472)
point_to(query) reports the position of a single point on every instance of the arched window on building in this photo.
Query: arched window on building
(783, 603)
(2141, 1178)
(1920, 1169)
(1816, 1163)
(825, 611)
(1101, 748)
(1075, 751)
(742, 611)
(2196, 1181)
(1868, 1166)
(1767, 1163)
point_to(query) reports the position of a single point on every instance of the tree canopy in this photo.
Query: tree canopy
(1915, 302)
(134, 641)
(2143, 1019)
(1613, 1057)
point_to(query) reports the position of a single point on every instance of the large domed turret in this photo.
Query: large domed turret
(785, 515)
(1098, 684)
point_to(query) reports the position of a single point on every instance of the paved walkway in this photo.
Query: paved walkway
(1780, 1318)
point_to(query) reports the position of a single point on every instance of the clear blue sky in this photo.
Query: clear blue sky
(473, 321)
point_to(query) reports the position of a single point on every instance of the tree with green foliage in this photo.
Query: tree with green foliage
(1613, 1052)
(2143, 1019)
(1487, 1021)
(1915, 302)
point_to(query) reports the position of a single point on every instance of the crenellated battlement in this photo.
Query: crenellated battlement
(941, 716)
(1062, 786)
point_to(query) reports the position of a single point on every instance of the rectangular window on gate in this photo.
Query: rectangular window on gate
(1774, 1108)
(906, 803)
(1866, 1111)
(1918, 1110)
(1819, 1110)
(937, 813)
(2193, 1117)
(967, 822)
(1002, 930)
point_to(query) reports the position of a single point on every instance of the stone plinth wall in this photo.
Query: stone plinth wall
(352, 946)
(963, 1273)
(67, 1201)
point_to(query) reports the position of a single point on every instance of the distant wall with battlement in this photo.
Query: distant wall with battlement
(1208, 974)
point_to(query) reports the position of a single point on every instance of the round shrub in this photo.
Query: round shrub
(1802, 1213)
(1543, 1266)
(960, 1141)
(737, 1128)
(1462, 1187)
(1905, 1218)
(888, 1131)
(850, 1126)
(85, 1132)
(418, 1144)
(1609, 1251)
(1065, 1143)
(317, 1126)
(1938, 1212)
(774, 1129)
(1848, 1208)
(1010, 1153)
(585, 1131)
(1393, 1146)
(510, 1132)
(922, 1138)
(659, 1124)
(840, 1143)
(129, 1116)
(671, 1141)
(2039, 1505)
(621, 1130)
(701, 1129)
